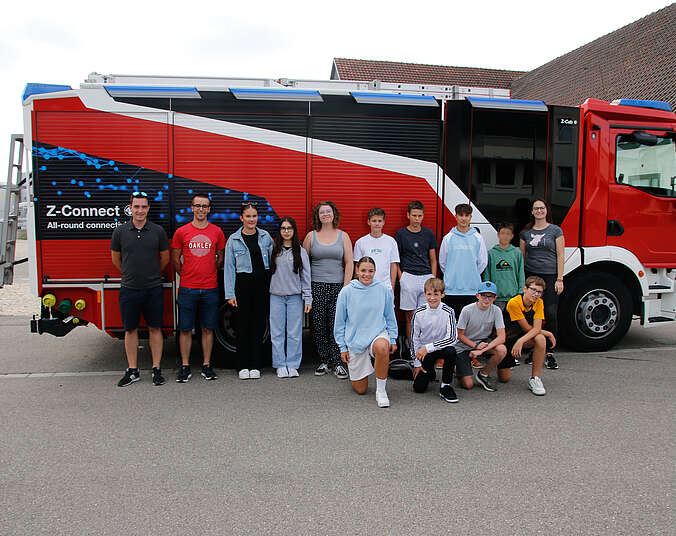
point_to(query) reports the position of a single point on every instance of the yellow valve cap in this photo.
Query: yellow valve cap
(76, 320)
(80, 304)
(49, 300)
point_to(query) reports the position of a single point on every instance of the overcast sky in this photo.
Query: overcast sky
(62, 42)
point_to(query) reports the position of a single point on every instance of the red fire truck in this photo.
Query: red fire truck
(607, 169)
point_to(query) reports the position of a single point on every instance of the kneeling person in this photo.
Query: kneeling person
(365, 328)
(481, 331)
(526, 312)
(433, 333)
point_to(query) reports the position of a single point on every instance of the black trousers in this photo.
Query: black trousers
(428, 374)
(551, 302)
(253, 306)
(457, 302)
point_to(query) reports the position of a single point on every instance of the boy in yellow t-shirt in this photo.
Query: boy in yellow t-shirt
(524, 315)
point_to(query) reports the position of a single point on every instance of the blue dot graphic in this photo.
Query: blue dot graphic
(73, 181)
(87, 194)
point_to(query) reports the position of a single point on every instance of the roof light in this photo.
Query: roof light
(508, 104)
(37, 89)
(153, 92)
(638, 103)
(394, 98)
(304, 95)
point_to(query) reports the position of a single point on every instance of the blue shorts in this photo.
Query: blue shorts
(146, 301)
(193, 301)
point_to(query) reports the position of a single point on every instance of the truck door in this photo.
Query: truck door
(642, 194)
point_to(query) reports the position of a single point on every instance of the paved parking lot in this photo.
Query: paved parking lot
(307, 456)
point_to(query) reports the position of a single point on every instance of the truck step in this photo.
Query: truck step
(654, 319)
(659, 287)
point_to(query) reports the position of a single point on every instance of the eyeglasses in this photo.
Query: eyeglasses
(201, 206)
(538, 209)
(139, 194)
(487, 295)
(286, 228)
(535, 291)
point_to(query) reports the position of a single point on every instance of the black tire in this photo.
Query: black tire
(225, 339)
(595, 312)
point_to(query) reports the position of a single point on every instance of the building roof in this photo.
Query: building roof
(416, 73)
(637, 61)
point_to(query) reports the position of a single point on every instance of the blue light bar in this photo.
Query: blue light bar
(394, 98)
(508, 104)
(638, 103)
(153, 92)
(38, 89)
(303, 95)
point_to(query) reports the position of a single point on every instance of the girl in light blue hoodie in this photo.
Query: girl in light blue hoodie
(365, 328)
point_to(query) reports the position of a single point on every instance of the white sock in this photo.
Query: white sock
(380, 385)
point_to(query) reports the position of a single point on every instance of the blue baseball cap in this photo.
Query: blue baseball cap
(487, 286)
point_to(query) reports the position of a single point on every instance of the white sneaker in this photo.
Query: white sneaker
(535, 385)
(282, 372)
(382, 400)
(293, 373)
(244, 374)
(254, 374)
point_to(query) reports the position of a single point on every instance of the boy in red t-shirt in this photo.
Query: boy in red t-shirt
(197, 254)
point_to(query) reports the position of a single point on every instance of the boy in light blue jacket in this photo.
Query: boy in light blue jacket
(365, 328)
(462, 257)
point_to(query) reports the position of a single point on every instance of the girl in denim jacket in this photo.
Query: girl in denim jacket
(246, 274)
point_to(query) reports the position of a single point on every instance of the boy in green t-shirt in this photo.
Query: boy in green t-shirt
(505, 266)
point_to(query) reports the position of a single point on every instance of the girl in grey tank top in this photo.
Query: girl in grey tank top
(327, 260)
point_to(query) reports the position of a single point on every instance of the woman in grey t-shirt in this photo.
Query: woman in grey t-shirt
(331, 268)
(542, 245)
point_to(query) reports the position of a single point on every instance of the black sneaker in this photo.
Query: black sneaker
(421, 381)
(158, 379)
(550, 362)
(448, 394)
(130, 376)
(208, 373)
(529, 359)
(485, 382)
(184, 374)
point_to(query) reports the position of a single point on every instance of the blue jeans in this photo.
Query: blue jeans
(197, 301)
(286, 315)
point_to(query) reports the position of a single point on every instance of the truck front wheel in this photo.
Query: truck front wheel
(595, 312)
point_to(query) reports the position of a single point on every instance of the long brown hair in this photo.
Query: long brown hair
(295, 246)
(548, 217)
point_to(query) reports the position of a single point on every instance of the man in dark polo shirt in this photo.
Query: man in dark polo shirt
(140, 250)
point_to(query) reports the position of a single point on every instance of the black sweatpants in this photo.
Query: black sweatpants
(550, 300)
(253, 304)
(428, 374)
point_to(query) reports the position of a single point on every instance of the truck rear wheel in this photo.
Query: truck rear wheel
(595, 312)
(225, 336)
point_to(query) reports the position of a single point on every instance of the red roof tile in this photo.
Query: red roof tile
(415, 73)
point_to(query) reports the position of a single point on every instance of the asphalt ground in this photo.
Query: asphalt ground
(79, 455)
(307, 456)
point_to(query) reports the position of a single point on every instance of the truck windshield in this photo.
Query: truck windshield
(647, 164)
